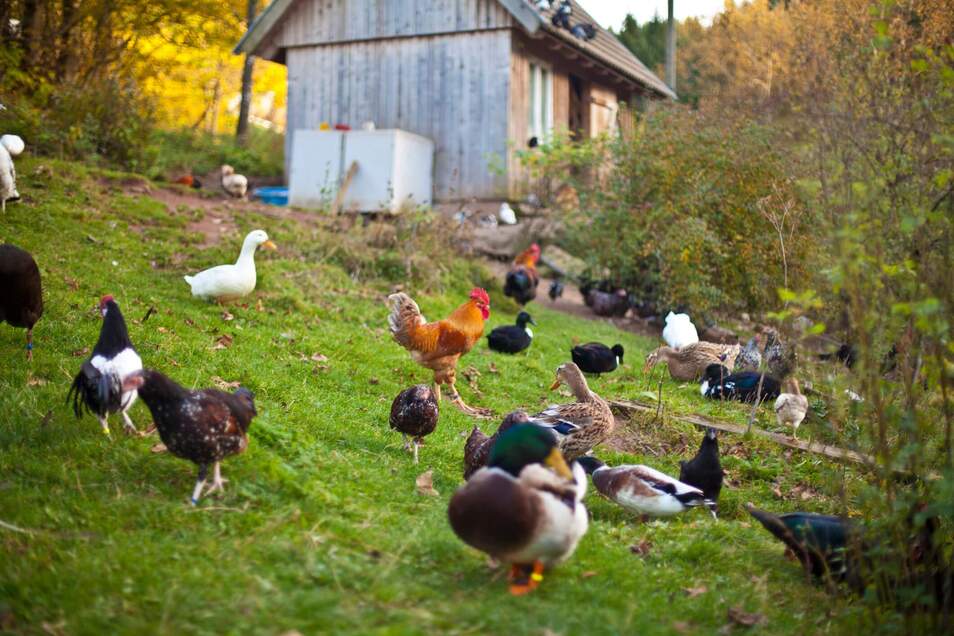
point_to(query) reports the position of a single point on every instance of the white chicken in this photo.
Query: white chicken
(235, 184)
(791, 407)
(228, 282)
(10, 147)
(506, 214)
(679, 331)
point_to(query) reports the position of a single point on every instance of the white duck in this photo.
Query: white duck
(10, 147)
(235, 184)
(679, 331)
(228, 282)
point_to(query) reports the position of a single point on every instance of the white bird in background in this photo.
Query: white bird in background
(506, 214)
(10, 147)
(543, 5)
(679, 331)
(235, 184)
(228, 282)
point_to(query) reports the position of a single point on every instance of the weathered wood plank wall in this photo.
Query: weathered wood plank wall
(329, 21)
(452, 89)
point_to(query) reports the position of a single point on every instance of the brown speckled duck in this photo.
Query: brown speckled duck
(478, 445)
(690, 362)
(580, 425)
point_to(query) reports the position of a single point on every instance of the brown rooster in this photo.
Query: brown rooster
(439, 345)
(522, 279)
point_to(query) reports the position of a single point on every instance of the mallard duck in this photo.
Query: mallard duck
(749, 358)
(679, 331)
(704, 471)
(414, 412)
(512, 338)
(524, 508)
(780, 359)
(719, 384)
(595, 357)
(644, 490)
(228, 282)
(580, 425)
(478, 445)
(690, 362)
(791, 406)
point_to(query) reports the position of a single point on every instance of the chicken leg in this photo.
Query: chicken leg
(128, 425)
(199, 484)
(473, 411)
(218, 484)
(105, 425)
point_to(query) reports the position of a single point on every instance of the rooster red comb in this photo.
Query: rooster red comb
(480, 295)
(105, 299)
(535, 248)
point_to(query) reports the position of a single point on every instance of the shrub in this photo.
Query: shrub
(673, 210)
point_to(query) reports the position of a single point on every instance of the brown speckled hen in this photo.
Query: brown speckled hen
(21, 301)
(414, 412)
(478, 445)
(203, 426)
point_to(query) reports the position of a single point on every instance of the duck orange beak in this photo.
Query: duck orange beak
(269, 245)
(555, 461)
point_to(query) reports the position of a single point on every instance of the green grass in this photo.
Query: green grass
(321, 528)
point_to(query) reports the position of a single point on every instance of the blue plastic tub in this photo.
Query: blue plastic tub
(272, 195)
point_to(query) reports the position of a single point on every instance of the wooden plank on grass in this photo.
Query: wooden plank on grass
(627, 407)
(343, 190)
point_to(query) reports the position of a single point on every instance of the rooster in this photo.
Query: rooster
(439, 345)
(98, 385)
(522, 279)
(204, 426)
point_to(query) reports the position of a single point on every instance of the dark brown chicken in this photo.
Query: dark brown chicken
(478, 445)
(204, 426)
(414, 412)
(21, 300)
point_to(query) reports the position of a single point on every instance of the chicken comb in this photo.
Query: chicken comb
(105, 299)
(480, 295)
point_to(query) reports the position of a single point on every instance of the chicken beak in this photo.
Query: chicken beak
(556, 384)
(269, 245)
(555, 461)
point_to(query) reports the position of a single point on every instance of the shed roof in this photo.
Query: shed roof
(605, 48)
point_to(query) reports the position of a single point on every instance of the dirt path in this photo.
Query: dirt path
(572, 303)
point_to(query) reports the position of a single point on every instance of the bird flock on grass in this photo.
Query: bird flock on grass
(522, 502)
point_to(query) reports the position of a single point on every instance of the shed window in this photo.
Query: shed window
(540, 119)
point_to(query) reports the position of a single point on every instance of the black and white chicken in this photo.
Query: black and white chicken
(98, 387)
(203, 426)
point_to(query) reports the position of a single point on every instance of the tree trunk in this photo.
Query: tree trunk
(671, 49)
(241, 130)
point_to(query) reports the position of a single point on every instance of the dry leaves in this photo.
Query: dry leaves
(588, 574)
(222, 342)
(226, 316)
(642, 548)
(745, 619)
(693, 592)
(35, 381)
(80, 352)
(159, 448)
(162, 330)
(223, 385)
(493, 368)
(425, 484)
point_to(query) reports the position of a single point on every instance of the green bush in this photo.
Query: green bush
(186, 151)
(673, 211)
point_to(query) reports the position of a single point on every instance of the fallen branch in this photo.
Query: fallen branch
(627, 408)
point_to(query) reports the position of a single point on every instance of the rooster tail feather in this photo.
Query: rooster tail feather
(404, 317)
(76, 395)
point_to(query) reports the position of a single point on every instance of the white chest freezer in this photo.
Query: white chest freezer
(394, 168)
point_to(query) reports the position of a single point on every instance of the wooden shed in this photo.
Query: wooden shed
(478, 77)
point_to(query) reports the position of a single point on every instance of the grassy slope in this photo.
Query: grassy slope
(320, 528)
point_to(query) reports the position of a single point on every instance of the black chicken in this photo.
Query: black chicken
(719, 384)
(556, 290)
(512, 338)
(203, 426)
(704, 471)
(414, 412)
(604, 304)
(21, 302)
(98, 387)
